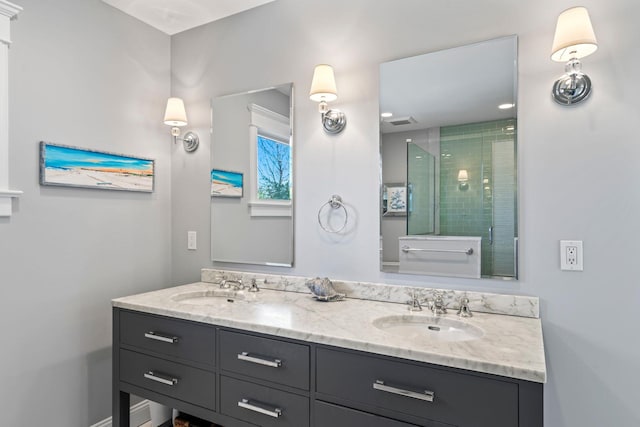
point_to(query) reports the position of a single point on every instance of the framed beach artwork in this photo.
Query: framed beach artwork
(66, 166)
(226, 183)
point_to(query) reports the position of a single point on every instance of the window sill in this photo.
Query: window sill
(6, 201)
(270, 209)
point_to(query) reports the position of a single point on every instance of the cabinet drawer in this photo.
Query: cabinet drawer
(181, 382)
(172, 337)
(261, 405)
(328, 415)
(388, 386)
(265, 358)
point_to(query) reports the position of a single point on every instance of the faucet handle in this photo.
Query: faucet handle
(414, 303)
(254, 286)
(464, 310)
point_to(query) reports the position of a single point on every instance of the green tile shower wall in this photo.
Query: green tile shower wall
(471, 147)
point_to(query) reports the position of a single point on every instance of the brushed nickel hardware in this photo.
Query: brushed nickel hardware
(275, 363)
(246, 404)
(425, 395)
(159, 337)
(468, 251)
(437, 306)
(254, 286)
(150, 375)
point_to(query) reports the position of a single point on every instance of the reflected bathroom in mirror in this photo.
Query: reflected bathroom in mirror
(448, 135)
(252, 177)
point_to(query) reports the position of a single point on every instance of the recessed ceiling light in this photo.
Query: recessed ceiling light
(506, 106)
(408, 140)
(386, 115)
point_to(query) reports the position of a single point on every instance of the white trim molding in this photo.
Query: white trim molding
(8, 11)
(138, 415)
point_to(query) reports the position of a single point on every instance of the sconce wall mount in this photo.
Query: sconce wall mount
(574, 39)
(176, 117)
(323, 90)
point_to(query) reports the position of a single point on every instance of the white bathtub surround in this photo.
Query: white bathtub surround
(453, 256)
(483, 302)
(510, 346)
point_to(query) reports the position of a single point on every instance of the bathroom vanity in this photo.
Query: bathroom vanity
(278, 358)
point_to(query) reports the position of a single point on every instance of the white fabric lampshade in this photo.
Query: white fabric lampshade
(323, 85)
(574, 36)
(463, 175)
(175, 114)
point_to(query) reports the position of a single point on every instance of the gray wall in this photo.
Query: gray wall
(592, 359)
(83, 74)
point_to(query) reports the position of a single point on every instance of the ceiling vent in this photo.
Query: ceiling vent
(401, 121)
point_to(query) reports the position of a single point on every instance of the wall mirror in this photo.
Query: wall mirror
(448, 145)
(252, 177)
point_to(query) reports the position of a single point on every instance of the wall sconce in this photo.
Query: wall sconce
(323, 90)
(574, 39)
(176, 116)
(463, 180)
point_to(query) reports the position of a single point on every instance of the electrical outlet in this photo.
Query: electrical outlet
(571, 255)
(192, 240)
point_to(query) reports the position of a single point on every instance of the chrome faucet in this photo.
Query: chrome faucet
(464, 310)
(415, 304)
(254, 286)
(235, 284)
(437, 306)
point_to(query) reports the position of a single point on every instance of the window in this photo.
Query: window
(270, 170)
(274, 169)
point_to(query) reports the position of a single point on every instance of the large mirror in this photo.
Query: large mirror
(252, 177)
(448, 145)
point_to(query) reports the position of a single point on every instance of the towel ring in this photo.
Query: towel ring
(335, 202)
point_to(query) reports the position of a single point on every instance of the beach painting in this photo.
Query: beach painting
(66, 166)
(226, 184)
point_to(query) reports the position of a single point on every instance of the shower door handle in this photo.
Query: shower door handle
(491, 235)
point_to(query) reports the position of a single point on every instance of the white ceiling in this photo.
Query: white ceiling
(175, 16)
(452, 86)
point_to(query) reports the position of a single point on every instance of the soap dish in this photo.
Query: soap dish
(323, 290)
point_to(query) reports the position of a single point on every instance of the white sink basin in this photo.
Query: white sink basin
(208, 297)
(432, 327)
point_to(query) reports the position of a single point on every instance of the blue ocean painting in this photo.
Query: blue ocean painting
(225, 183)
(59, 157)
(77, 167)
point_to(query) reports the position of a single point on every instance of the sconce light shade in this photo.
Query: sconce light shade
(463, 180)
(175, 114)
(574, 37)
(323, 84)
(323, 90)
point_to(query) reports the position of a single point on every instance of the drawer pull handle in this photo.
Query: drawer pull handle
(158, 337)
(246, 404)
(161, 378)
(275, 363)
(422, 395)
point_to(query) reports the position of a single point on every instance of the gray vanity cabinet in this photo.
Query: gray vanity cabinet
(239, 378)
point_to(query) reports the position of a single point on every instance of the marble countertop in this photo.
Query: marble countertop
(511, 346)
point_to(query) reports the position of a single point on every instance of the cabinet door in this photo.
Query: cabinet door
(329, 415)
(265, 358)
(176, 380)
(164, 336)
(264, 406)
(420, 390)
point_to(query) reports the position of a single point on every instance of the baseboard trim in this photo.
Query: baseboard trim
(138, 414)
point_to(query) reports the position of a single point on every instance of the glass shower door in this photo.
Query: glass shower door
(421, 186)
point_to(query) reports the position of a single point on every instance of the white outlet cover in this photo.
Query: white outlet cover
(568, 262)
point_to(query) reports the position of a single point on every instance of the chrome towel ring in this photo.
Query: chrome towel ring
(335, 202)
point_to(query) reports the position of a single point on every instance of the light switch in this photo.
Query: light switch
(192, 240)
